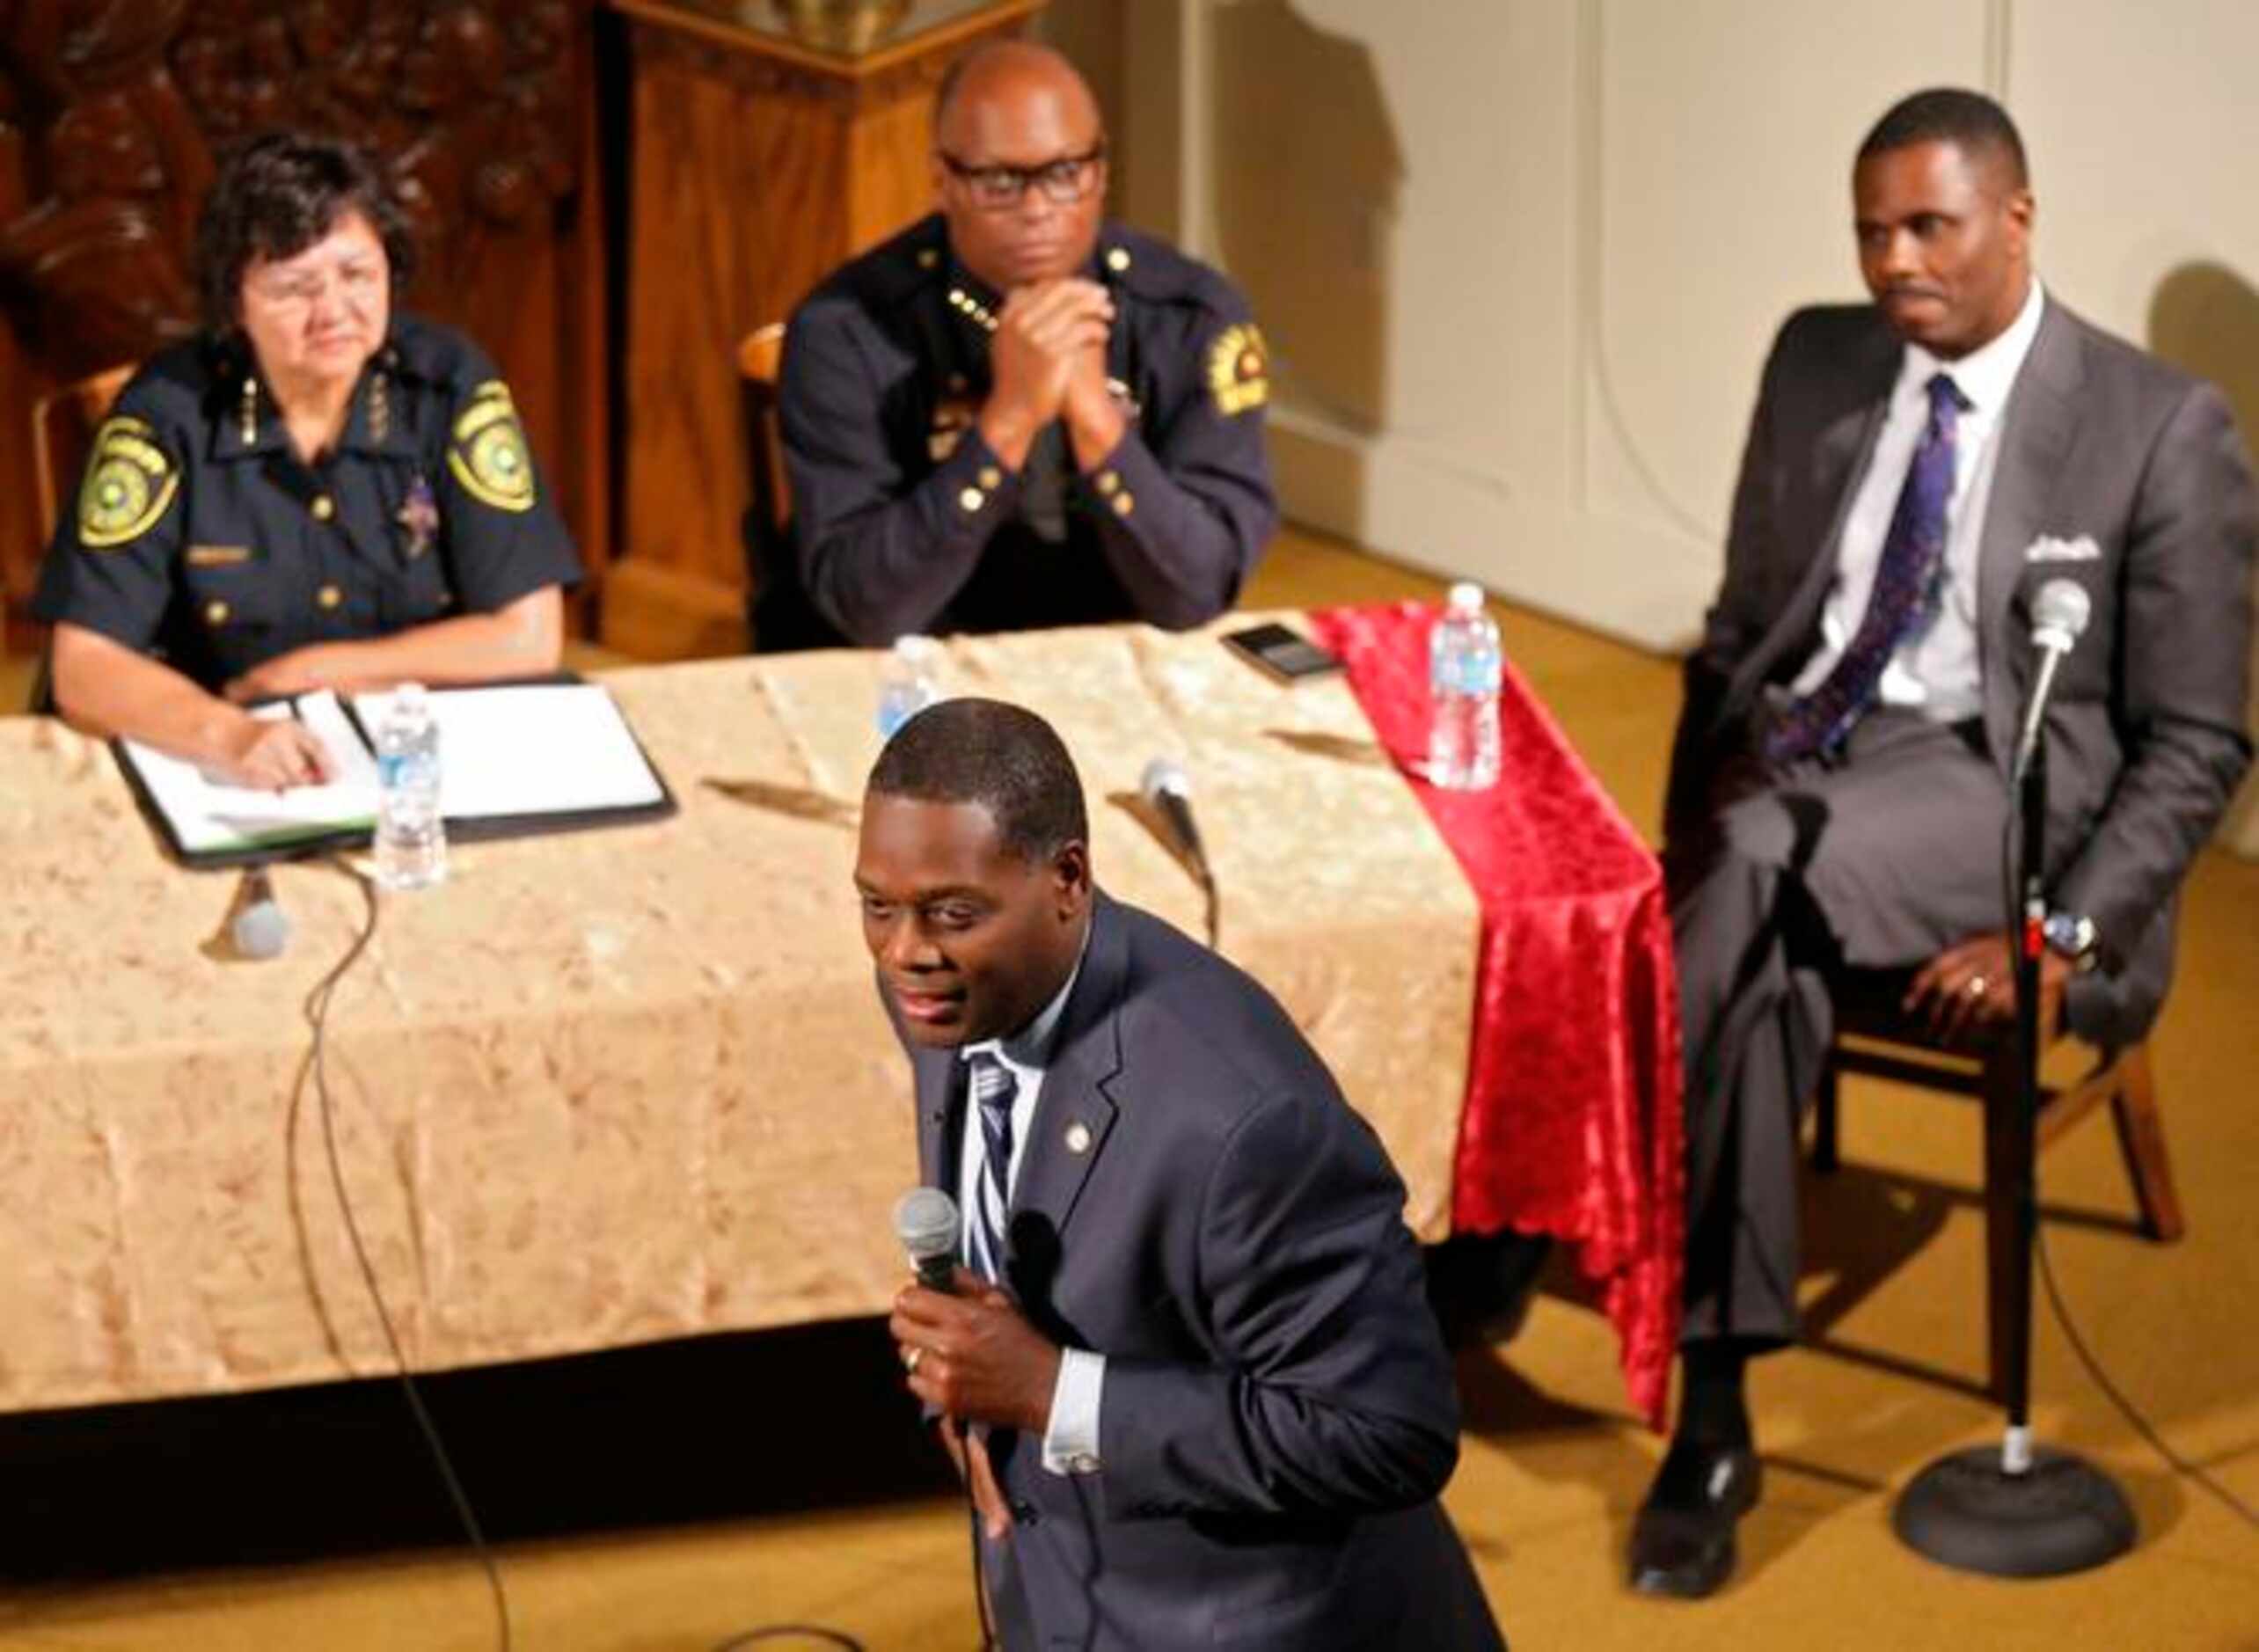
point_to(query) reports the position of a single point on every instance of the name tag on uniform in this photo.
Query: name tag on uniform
(217, 556)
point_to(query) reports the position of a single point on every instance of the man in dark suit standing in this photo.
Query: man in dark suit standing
(1915, 470)
(1190, 1373)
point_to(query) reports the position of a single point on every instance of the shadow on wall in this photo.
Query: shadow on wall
(2204, 320)
(1307, 181)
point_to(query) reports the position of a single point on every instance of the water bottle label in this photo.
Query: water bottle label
(1474, 672)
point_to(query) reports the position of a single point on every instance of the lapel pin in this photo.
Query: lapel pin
(1078, 1137)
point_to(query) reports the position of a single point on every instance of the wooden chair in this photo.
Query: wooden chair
(778, 615)
(759, 355)
(1873, 1037)
(63, 423)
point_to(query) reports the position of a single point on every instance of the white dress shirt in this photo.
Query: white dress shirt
(1071, 1442)
(1936, 670)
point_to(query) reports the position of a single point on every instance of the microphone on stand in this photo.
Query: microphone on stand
(1167, 791)
(260, 928)
(2058, 615)
(2021, 1509)
(925, 1221)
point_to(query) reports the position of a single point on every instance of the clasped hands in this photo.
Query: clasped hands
(1048, 361)
(972, 1356)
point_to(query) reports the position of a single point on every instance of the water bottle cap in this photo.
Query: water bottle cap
(409, 696)
(1465, 597)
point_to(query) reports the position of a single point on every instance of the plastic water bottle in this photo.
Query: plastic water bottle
(912, 682)
(411, 839)
(1464, 666)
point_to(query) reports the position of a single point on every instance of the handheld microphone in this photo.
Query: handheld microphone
(2058, 615)
(925, 1222)
(1169, 792)
(260, 928)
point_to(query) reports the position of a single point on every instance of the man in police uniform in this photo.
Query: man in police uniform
(1012, 414)
(204, 548)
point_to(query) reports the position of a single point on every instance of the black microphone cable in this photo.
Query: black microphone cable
(2127, 1409)
(317, 1007)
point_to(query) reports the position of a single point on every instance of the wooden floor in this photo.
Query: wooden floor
(679, 1498)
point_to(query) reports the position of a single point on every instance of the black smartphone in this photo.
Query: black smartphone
(1287, 655)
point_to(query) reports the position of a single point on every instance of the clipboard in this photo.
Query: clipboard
(207, 824)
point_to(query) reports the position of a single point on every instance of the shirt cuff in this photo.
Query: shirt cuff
(1071, 1443)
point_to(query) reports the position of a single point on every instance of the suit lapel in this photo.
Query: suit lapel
(1839, 457)
(2036, 431)
(1840, 460)
(940, 1081)
(1074, 1114)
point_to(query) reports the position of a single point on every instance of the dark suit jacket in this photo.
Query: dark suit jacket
(1278, 1412)
(2146, 727)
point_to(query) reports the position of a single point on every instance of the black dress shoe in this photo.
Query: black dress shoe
(1683, 1537)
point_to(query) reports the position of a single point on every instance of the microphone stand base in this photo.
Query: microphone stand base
(2061, 1514)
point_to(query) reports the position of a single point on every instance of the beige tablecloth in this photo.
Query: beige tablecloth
(619, 1086)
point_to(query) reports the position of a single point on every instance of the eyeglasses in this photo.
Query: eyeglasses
(1063, 181)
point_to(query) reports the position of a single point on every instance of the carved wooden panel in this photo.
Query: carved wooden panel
(112, 112)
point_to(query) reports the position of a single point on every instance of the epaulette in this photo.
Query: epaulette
(893, 272)
(1152, 270)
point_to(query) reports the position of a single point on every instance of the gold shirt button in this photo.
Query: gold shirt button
(323, 507)
(927, 258)
(329, 597)
(1123, 504)
(991, 478)
(1118, 260)
(1106, 482)
(216, 613)
(972, 499)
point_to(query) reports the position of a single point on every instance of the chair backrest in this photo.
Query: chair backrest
(63, 423)
(759, 355)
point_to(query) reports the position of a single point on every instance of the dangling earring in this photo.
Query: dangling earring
(250, 408)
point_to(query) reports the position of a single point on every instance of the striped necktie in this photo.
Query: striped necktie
(1908, 580)
(994, 1090)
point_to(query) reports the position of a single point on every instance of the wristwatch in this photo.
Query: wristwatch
(2071, 936)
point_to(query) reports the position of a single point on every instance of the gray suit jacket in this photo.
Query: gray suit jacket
(1278, 1412)
(2147, 728)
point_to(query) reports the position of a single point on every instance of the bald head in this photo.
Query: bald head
(1005, 72)
(1019, 164)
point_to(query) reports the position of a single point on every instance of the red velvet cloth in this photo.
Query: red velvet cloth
(1572, 1124)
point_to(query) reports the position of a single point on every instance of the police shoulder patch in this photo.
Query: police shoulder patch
(487, 453)
(1238, 369)
(130, 480)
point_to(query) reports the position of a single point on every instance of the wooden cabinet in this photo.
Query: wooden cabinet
(756, 164)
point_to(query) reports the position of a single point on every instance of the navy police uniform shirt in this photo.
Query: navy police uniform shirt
(905, 520)
(200, 536)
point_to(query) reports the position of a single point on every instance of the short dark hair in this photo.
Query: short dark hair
(275, 197)
(1003, 758)
(1970, 120)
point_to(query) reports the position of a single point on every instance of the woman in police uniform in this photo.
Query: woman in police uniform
(316, 492)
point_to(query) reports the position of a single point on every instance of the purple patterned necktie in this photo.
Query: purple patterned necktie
(994, 1090)
(1905, 594)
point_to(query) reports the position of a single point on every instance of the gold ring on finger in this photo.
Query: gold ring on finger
(910, 1359)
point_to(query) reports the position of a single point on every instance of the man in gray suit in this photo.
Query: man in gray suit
(1190, 1375)
(1915, 470)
